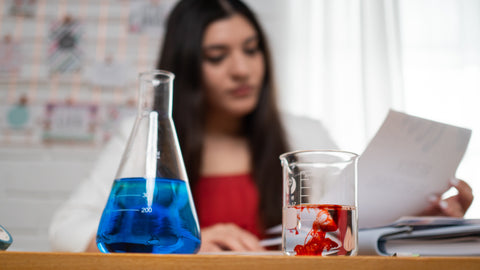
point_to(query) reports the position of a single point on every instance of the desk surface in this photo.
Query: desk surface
(55, 260)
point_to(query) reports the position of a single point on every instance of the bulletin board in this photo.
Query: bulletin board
(68, 69)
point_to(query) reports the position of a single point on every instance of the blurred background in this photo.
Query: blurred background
(68, 74)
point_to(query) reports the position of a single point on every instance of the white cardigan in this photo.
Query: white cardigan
(76, 221)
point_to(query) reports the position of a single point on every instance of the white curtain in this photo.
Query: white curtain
(346, 62)
(337, 61)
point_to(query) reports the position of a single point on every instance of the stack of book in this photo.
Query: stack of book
(423, 236)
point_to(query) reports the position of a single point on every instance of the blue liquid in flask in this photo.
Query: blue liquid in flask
(166, 225)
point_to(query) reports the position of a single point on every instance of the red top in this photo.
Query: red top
(228, 199)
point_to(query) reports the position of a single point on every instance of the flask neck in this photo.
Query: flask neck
(155, 93)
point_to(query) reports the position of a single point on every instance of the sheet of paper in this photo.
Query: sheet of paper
(408, 160)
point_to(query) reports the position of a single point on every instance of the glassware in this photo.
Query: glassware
(5, 238)
(319, 203)
(150, 207)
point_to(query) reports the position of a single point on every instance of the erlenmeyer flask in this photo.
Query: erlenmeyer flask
(150, 207)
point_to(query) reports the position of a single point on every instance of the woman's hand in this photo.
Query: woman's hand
(454, 206)
(228, 236)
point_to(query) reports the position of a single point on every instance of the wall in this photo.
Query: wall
(34, 181)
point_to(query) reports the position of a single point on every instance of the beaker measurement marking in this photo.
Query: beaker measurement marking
(130, 195)
(302, 197)
(305, 186)
(304, 176)
(304, 193)
(142, 210)
(146, 209)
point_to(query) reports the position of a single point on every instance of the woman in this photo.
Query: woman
(226, 117)
(229, 129)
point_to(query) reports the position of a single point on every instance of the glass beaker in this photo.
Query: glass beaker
(150, 207)
(319, 203)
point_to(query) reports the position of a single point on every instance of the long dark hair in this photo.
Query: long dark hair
(182, 55)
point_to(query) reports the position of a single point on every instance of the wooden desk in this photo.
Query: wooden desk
(47, 260)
